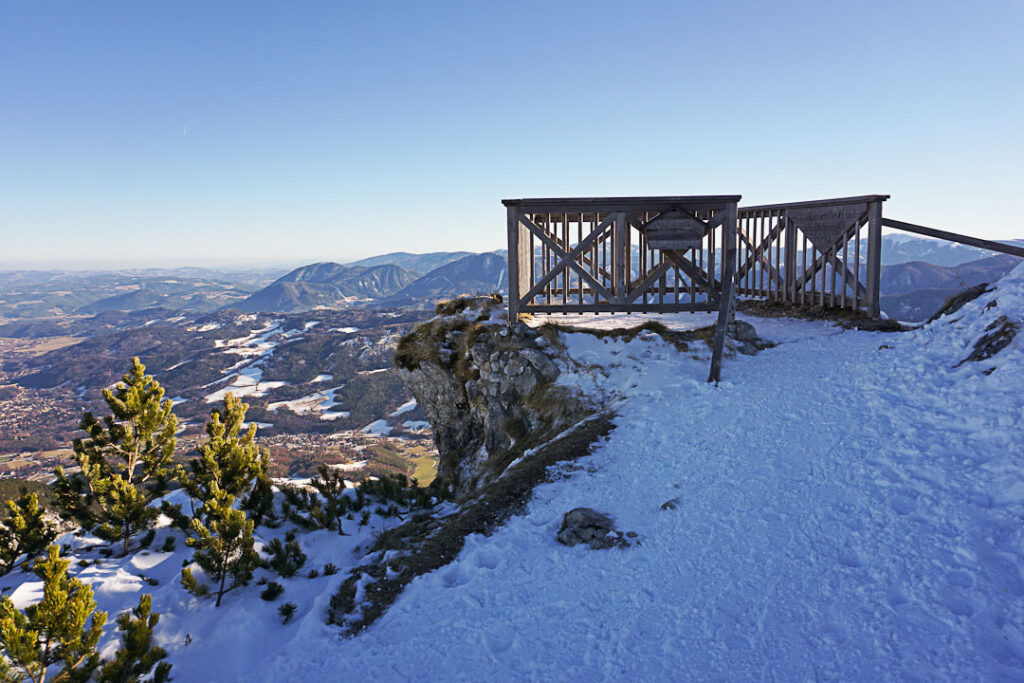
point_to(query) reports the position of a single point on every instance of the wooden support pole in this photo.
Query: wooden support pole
(789, 231)
(621, 257)
(726, 303)
(874, 276)
(514, 267)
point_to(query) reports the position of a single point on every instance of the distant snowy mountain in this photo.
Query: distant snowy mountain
(418, 263)
(327, 285)
(904, 248)
(476, 274)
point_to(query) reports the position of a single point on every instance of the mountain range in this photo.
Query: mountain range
(372, 282)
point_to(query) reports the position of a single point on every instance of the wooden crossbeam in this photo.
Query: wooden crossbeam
(832, 258)
(695, 273)
(651, 278)
(836, 264)
(773, 234)
(756, 253)
(560, 253)
(568, 260)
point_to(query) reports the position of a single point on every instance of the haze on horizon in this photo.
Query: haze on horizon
(185, 133)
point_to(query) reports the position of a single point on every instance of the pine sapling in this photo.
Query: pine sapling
(137, 656)
(330, 484)
(125, 460)
(54, 630)
(286, 612)
(224, 547)
(26, 531)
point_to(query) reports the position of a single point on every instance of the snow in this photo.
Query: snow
(318, 402)
(345, 330)
(405, 408)
(848, 506)
(322, 378)
(844, 511)
(378, 427)
(351, 466)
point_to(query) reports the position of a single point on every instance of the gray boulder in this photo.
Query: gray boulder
(583, 525)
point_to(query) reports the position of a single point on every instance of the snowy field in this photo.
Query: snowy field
(845, 506)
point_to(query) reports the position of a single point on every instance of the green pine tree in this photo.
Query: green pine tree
(25, 531)
(230, 458)
(259, 504)
(330, 484)
(125, 461)
(224, 547)
(137, 655)
(52, 631)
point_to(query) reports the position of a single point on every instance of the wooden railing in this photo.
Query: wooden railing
(810, 253)
(623, 254)
(678, 254)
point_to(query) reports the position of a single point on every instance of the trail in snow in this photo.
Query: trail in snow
(845, 511)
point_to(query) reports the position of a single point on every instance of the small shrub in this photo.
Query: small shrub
(313, 573)
(330, 569)
(168, 546)
(364, 518)
(272, 591)
(286, 558)
(147, 539)
(286, 612)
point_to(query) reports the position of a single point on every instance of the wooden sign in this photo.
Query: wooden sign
(824, 225)
(674, 233)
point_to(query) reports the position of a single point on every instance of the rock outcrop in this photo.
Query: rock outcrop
(489, 390)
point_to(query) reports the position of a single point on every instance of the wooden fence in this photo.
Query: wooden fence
(679, 254)
(810, 253)
(636, 254)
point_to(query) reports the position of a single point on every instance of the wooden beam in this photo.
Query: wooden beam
(568, 260)
(620, 257)
(682, 307)
(513, 265)
(758, 254)
(651, 278)
(695, 273)
(554, 247)
(874, 275)
(725, 303)
(955, 237)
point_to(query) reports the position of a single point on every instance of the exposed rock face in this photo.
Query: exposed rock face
(488, 390)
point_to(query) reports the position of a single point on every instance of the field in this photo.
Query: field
(35, 347)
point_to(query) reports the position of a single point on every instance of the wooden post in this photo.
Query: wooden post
(726, 305)
(621, 256)
(874, 275)
(514, 267)
(790, 258)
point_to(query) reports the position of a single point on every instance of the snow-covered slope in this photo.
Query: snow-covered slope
(848, 506)
(845, 506)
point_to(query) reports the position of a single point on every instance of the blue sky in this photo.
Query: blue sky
(137, 133)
